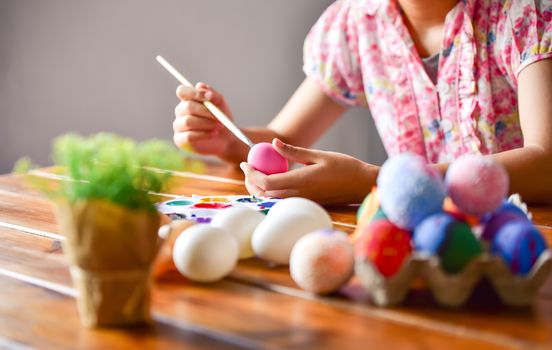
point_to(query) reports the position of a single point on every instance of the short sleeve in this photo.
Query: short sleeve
(331, 55)
(528, 34)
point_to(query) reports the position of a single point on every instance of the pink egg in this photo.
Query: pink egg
(477, 184)
(264, 158)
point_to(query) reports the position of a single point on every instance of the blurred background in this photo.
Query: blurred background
(89, 66)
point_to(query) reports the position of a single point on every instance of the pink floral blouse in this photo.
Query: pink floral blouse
(361, 54)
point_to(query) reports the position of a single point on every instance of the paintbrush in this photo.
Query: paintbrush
(221, 117)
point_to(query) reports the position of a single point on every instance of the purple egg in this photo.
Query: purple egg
(519, 244)
(477, 184)
(410, 190)
(494, 222)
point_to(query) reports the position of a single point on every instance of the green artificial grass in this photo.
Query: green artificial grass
(112, 168)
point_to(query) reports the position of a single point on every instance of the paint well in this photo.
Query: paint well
(249, 200)
(212, 205)
(214, 200)
(179, 203)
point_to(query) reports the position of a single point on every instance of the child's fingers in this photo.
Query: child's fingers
(254, 176)
(253, 189)
(182, 139)
(265, 182)
(190, 93)
(283, 193)
(215, 96)
(296, 154)
(190, 107)
(203, 86)
(193, 123)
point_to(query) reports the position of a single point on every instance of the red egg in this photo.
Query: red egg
(385, 245)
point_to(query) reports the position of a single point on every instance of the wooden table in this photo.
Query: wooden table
(256, 307)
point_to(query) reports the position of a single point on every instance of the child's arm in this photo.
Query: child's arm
(307, 115)
(530, 167)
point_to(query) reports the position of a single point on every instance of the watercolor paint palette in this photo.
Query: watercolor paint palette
(202, 209)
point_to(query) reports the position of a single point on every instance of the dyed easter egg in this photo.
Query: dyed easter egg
(264, 158)
(452, 240)
(370, 209)
(275, 237)
(452, 209)
(519, 244)
(508, 212)
(385, 245)
(300, 205)
(205, 253)
(240, 222)
(477, 184)
(322, 261)
(410, 190)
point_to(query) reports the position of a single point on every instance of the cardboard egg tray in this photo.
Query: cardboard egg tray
(453, 290)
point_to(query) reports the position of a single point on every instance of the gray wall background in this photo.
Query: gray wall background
(88, 66)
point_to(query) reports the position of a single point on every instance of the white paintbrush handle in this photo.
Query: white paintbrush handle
(209, 105)
(228, 123)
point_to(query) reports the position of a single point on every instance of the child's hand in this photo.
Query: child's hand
(327, 178)
(195, 126)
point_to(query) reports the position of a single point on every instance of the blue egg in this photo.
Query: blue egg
(410, 190)
(430, 235)
(519, 244)
(508, 206)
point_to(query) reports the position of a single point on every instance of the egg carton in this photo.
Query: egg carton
(453, 290)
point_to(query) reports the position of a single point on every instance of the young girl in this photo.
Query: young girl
(441, 79)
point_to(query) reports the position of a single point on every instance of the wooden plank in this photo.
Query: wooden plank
(182, 185)
(15, 184)
(41, 211)
(542, 215)
(235, 312)
(33, 317)
(30, 211)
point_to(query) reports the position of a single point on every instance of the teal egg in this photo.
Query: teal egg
(378, 215)
(370, 210)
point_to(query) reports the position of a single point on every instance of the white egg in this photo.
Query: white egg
(301, 205)
(274, 238)
(204, 253)
(322, 261)
(240, 222)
